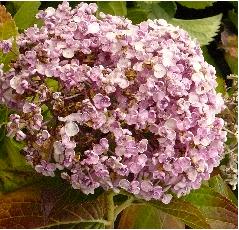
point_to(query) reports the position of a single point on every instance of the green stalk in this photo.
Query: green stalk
(110, 210)
(123, 206)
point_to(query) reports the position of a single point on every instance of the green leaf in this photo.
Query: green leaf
(234, 4)
(196, 4)
(221, 87)
(232, 15)
(184, 211)
(13, 6)
(202, 29)
(3, 114)
(209, 59)
(11, 180)
(218, 185)
(232, 62)
(52, 84)
(96, 225)
(49, 206)
(17, 4)
(17, 161)
(8, 30)
(219, 211)
(2, 132)
(14, 172)
(113, 8)
(145, 217)
(164, 10)
(25, 16)
(156, 10)
(7, 25)
(137, 15)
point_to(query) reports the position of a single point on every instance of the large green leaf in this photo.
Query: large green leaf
(145, 217)
(14, 171)
(219, 211)
(89, 225)
(51, 206)
(184, 211)
(137, 15)
(164, 10)
(113, 8)
(12, 148)
(202, 29)
(8, 30)
(221, 87)
(196, 4)
(232, 62)
(218, 185)
(17, 4)
(233, 16)
(7, 25)
(209, 59)
(13, 6)
(155, 10)
(25, 16)
(11, 180)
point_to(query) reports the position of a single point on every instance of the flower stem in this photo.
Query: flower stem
(123, 206)
(110, 210)
(229, 131)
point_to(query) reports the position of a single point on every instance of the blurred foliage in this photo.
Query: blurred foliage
(50, 203)
(229, 165)
(196, 4)
(230, 45)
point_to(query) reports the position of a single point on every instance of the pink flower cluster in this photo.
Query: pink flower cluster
(105, 103)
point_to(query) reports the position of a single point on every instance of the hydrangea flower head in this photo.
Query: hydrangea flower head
(114, 105)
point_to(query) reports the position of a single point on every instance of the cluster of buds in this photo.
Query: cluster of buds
(105, 103)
